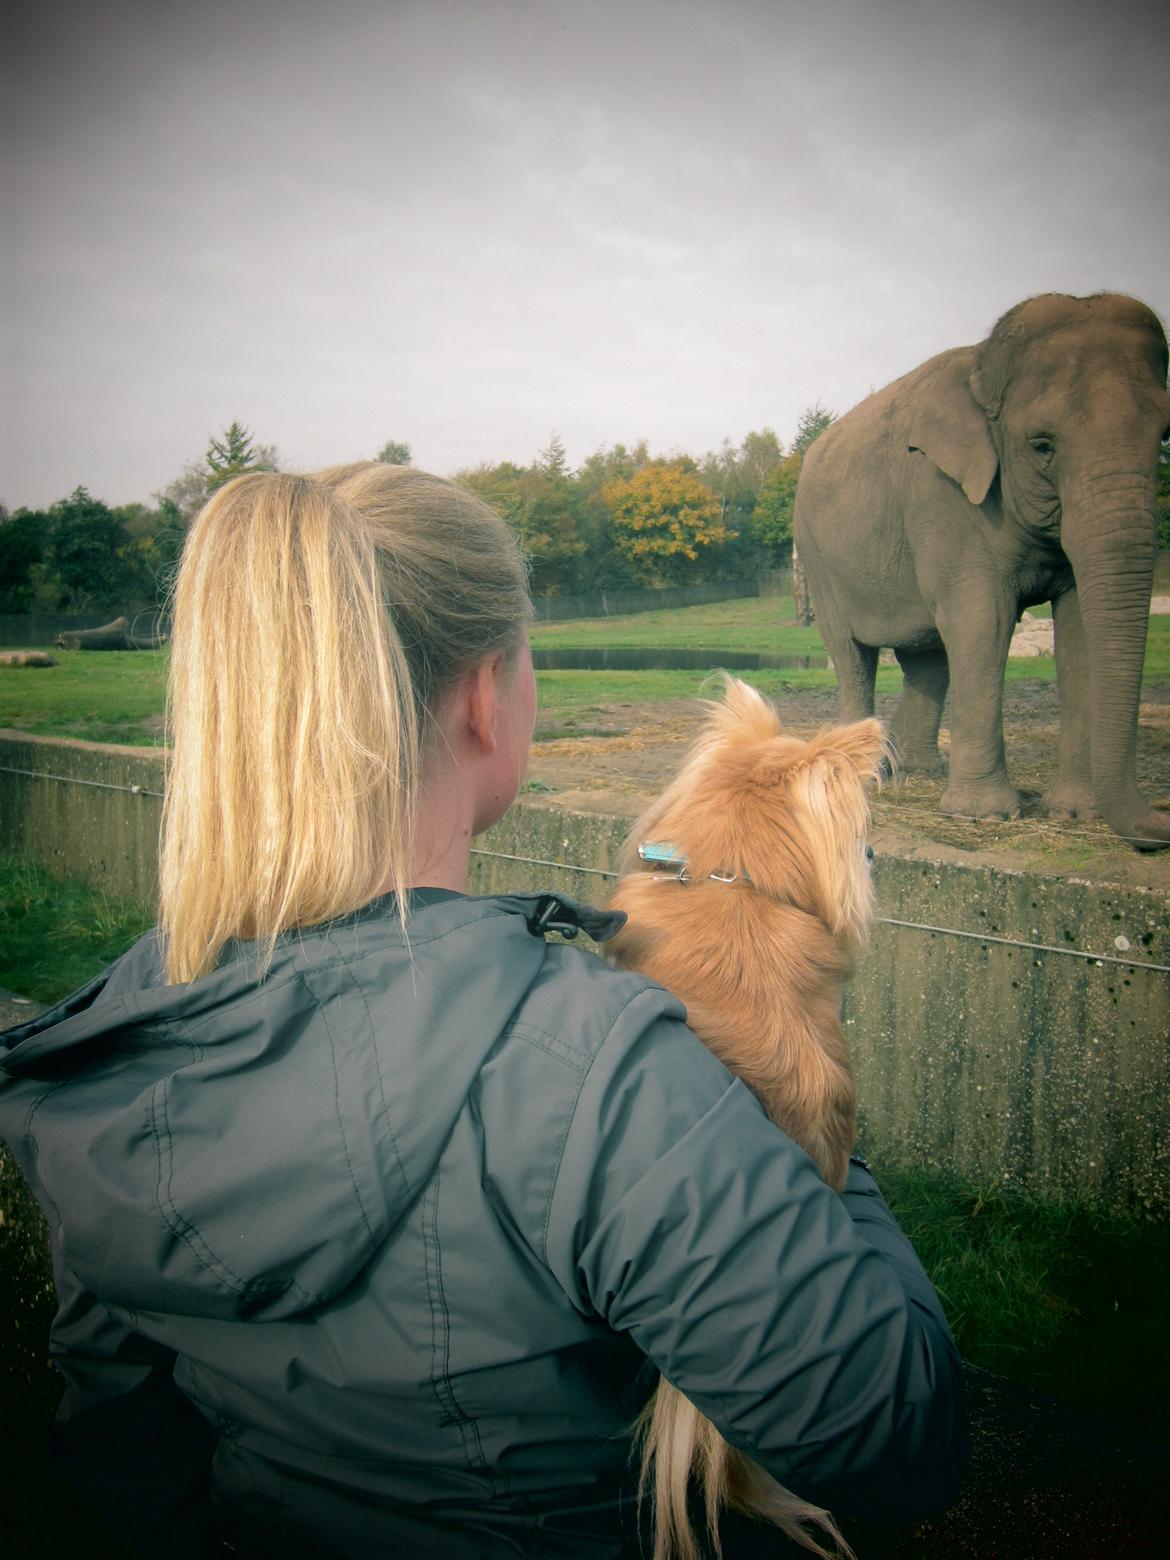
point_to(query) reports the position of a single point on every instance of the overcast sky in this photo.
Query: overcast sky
(467, 223)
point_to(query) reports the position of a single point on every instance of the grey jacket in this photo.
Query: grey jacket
(380, 1255)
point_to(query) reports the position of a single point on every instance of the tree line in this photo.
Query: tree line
(623, 519)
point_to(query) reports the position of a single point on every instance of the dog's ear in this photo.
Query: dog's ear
(776, 760)
(863, 744)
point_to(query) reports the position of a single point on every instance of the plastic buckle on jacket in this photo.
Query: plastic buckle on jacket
(551, 916)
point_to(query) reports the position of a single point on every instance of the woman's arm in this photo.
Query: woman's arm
(799, 1321)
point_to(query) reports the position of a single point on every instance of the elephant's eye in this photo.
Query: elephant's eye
(1042, 445)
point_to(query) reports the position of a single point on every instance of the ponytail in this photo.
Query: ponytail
(317, 623)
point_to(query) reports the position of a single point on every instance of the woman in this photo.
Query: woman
(374, 1214)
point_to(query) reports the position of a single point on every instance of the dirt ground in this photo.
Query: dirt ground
(632, 749)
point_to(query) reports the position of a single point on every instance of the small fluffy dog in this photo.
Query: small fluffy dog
(748, 893)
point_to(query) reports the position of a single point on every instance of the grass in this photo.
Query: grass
(1056, 1295)
(117, 696)
(1060, 1297)
(114, 696)
(54, 936)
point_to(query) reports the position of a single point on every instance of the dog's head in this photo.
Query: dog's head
(791, 814)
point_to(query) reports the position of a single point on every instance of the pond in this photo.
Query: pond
(616, 658)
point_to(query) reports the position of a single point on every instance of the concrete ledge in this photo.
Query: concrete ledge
(1007, 1064)
(1004, 1061)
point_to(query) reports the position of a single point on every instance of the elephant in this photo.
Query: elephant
(989, 479)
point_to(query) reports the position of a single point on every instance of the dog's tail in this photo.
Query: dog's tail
(680, 1446)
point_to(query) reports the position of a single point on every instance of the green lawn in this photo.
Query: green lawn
(117, 696)
(106, 696)
(1060, 1297)
(54, 936)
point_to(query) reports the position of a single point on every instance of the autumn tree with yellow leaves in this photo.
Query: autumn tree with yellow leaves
(663, 517)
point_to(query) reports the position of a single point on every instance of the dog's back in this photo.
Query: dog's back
(760, 934)
(751, 908)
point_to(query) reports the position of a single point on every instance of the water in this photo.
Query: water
(616, 658)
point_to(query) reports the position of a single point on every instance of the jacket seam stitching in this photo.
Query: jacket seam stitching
(185, 1228)
(556, 1175)
(31, 1136)
(384, 1112)
(552, 1046)
(357, 1192)
(444, 1387)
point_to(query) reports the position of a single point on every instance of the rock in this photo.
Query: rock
(26, 658)
(1033, 636)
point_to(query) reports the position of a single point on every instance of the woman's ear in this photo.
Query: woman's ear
(479, 696)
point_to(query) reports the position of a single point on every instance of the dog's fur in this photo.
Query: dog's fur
(760, 963)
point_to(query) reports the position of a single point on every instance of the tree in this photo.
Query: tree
(154, 542)
(23, 539)
(234, 454)
(770, 525)
(552, 460)
(394, 453)
(187, 493)
(1162, 501)
(760, 453)
(539, 502)
(601, 566)
(813, 422)
(663, 516)
(85, 557)
(738, 475)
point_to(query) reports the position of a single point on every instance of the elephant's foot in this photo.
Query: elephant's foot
(1149, 832)
(1071, 799)
(980, 799)
(917, 759)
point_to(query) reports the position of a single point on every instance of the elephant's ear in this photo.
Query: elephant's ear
(950, 428)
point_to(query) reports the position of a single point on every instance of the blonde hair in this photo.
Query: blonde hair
(318, 622)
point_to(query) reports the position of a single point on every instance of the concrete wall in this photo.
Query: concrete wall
(1006, 1063)
(72, 807)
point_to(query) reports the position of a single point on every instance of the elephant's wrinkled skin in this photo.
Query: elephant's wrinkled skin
(991, 478)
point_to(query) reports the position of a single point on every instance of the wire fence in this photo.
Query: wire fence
(602, 872)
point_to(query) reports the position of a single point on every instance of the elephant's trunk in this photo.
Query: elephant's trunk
(1108, 535)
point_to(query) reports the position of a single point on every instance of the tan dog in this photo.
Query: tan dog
(748, 893)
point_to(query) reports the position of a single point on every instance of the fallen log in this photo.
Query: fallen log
(111, 636)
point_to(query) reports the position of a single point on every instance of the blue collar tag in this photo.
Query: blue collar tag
(661, 855)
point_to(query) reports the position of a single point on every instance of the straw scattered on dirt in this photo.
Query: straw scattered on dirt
(631, 750)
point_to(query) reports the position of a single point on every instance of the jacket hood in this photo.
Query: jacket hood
(237, 1147)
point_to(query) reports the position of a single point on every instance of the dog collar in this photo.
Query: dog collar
(658, 854)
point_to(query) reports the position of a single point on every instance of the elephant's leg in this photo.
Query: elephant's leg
(925, 676)
(1071, 793)
(856, 668)
(855, 665)
(977, 631)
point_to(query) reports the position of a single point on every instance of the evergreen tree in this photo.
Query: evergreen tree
(552, 460)
(233, 455)
(394, 453)
(813, 422)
